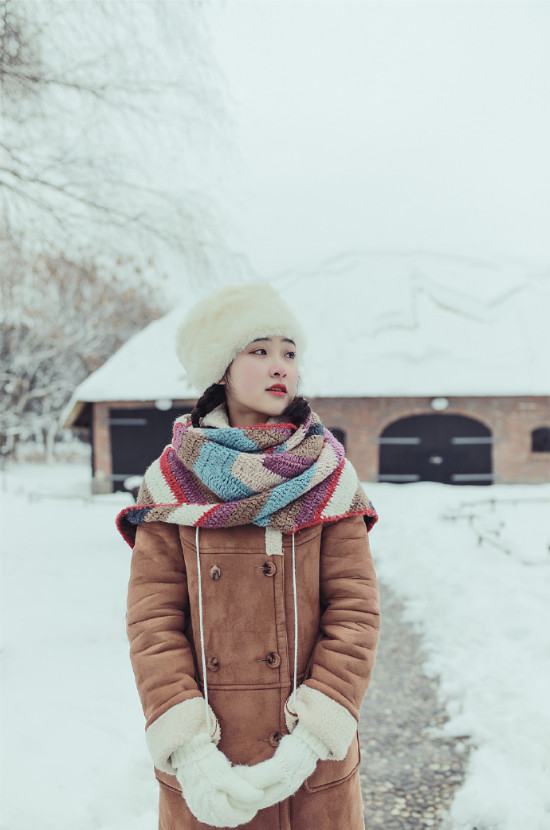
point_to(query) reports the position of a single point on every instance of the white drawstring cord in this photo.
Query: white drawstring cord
(295, 622)
(202, 633)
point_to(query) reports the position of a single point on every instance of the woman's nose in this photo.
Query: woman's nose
(278, 369)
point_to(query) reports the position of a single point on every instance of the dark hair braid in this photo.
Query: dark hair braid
(210, 399)
(296, 412)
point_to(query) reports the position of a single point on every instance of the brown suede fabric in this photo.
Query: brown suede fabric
(249, 614)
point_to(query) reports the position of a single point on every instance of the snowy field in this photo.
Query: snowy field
(483, 609)
(74, 755)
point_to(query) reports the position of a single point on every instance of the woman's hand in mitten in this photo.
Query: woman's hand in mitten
(213, 790)
(294, 760)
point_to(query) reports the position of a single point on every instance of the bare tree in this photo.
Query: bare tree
(60, 320)
(107, 109)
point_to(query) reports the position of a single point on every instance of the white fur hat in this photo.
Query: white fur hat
(222, 324)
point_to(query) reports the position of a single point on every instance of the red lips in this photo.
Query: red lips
(279, 386)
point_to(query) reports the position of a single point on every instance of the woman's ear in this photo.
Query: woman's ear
(225, 378)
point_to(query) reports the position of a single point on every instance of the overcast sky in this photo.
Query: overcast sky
(387, 126)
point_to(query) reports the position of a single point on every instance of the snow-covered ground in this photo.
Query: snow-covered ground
(483, 609)
(73, 748)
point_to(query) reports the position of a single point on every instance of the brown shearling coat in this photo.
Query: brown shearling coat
(249, 645)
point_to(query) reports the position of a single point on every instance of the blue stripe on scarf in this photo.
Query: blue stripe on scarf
(284, 494)
(232, 438)
(213, 467)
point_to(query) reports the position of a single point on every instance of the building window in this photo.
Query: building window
(540, 440)
(339, 434)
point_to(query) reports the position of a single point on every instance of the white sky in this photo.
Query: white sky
(386, 125)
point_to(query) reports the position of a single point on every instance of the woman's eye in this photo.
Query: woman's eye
(264, 351)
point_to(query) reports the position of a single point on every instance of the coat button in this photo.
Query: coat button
(269, 568)
(212, 664)
(273, 660)
(274, 738)
(215, 572)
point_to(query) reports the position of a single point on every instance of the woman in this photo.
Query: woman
(253, 605)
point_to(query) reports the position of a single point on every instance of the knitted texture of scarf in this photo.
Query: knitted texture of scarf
(272, 475)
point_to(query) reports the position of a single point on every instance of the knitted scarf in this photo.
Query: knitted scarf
(272, 475)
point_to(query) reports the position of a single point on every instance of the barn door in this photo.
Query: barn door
(451, 449)
(138, 436)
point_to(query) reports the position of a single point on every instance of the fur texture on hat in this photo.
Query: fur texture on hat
(222, 324)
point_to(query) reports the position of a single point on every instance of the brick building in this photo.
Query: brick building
(420, 381)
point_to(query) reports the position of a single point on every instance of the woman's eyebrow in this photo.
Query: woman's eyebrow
(285, 340)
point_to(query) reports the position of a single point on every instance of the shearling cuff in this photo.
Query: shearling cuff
(323, 717)
(176, 727)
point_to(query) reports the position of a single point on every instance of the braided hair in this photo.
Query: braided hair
(209, 400)
(296, 412)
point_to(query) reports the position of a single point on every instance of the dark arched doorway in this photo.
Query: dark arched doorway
(451, 449)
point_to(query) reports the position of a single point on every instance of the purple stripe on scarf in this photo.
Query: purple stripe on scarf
(285, 464)
(313, 500)
(284, 432)
(185, 480)
(179, 430)
(335, 444)
(220, 515)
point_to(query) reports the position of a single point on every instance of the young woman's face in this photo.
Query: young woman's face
(266, 362)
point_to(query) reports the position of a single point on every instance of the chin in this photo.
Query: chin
(272, 413)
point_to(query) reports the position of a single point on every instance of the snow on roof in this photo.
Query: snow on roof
(145, 368)
(424, 324)
(379, 324)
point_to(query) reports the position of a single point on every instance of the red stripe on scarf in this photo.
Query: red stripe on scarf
(335, 478)
(169, 478)
(206, 516)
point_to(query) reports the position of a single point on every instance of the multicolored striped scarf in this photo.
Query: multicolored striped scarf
(272, 475)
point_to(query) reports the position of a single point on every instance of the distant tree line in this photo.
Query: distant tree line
(60, 320)
(106, 109)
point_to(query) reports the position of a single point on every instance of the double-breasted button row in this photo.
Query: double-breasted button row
(273, 660)
(269, 568)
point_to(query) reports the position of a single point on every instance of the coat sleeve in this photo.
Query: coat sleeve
(161, 656)
(343, 658)
(328, 701)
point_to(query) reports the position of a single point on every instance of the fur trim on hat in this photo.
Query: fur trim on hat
(222, 324)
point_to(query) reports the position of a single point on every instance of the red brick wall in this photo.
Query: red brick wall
(101, 449)
(510, 419)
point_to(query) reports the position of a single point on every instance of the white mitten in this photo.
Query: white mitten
(294, 760)
(213, 790)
